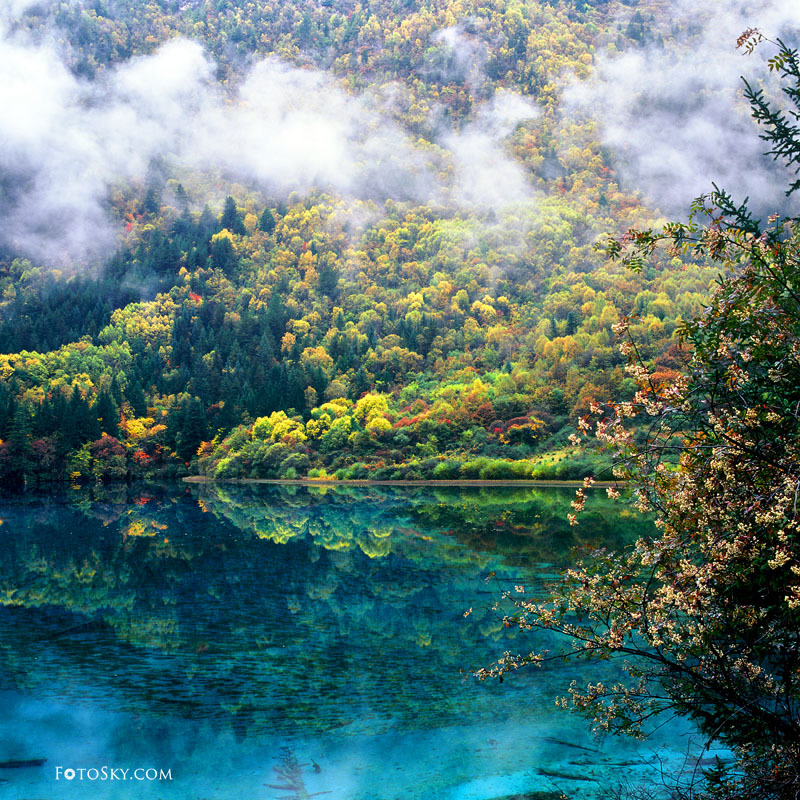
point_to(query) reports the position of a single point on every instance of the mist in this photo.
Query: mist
(460, 58)
(486, 177)
(66, 143)
(674, 116)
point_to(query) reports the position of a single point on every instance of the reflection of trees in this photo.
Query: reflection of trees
(525, 525)
(262, 606)
(329, 520)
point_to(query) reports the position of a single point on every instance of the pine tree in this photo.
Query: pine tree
(80, 423)
(107, 413)
(223, 255)
(231, 219)
(266, 222)
(193, 429)
(136, 398)
(328, 281)
(20, 441)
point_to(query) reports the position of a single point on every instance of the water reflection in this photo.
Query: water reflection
(243, 620)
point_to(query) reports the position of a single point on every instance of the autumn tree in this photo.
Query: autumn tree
(704, 615)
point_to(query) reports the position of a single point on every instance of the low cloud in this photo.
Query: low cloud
(486, 176)
(460, 57)
(674, 115)
(66, 142)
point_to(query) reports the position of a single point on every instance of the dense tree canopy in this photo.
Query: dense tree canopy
(487, 332)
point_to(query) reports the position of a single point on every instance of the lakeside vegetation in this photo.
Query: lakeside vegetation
(238, 333)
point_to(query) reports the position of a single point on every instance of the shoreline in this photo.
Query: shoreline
(533, 484)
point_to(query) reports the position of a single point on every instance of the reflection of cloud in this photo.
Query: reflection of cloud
(674, 114)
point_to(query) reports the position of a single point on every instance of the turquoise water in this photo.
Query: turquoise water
(282, 642)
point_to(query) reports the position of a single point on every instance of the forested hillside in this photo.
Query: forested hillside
(350, 239)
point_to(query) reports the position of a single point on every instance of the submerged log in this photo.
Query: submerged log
(22, 763)
(564, 775)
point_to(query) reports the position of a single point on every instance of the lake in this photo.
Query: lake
(230, 641)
